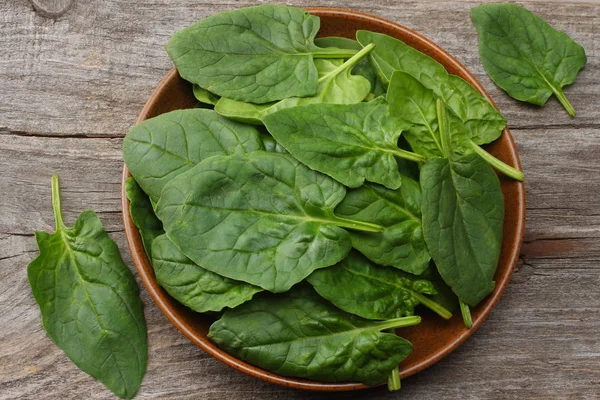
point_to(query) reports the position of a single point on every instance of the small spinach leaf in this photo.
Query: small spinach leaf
(256, 54)
(261, 217)
(524, 55)
(481, 120)
(89, 301)
(158, 149)
(350, 143)
(401, 243)
(360, 287)
(336, 86)
(192, 285)
(204, 96)
(299, 334)
(142, 214)
(463, 215)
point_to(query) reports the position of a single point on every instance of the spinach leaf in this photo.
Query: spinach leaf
(362, 68)
(192, 285)
(482, 121)
(350, 143)
(204, 96)
(142, 214)
(463, 214)
(401, 243)
(299, 334)
(444, 296)
(160, 148)
(524, 55)
(270, 144)
(336, 86)
(416, 105)
(89, 301)
(262, 218)
(360, 287)
(255, 54)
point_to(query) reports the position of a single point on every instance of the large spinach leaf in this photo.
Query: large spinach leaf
(89, 301)
(142, 214)
(336, 86)
(411, 101)
(192, 285)
(263, 218)
(299, 334)
(350, 143)
(463, 215)
(524, 55)
(481, 120)
(401, 243)
(360, 287)
(160, 148)
(256, 54)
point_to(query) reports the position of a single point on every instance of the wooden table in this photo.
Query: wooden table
(75, 74)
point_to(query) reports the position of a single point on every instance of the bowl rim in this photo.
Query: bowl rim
(141, 261)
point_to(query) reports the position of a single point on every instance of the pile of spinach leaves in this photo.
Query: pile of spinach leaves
(325, 192)
(317, 183)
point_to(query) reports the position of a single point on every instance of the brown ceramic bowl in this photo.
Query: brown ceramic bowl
(434, 338)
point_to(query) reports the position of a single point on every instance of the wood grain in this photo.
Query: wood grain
(72, 84)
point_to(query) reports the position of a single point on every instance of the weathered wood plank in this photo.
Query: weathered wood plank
(89, 71)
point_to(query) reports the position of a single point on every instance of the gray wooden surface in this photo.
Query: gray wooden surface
(75, 74)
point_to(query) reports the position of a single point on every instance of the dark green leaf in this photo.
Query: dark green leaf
(524, 55)
(444, 296)
(336, 86)
(142, 214)
(463, 215)
(160, 148)
(401, 243)
(350, 143)
(360, 287)
(192, 285)
(270, 144)
(299, 334)
(89, 301)
(261, 217)
(481, 120)
(255, 54)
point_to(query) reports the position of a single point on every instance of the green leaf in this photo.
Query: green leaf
(142, 214)
(261, 217)
(270, 144)
(463, 215)
(255, 54)
(444, 296)
(350, 143)
(336, 86)
(524, 55)
(192, 285)
(299, 334)
(401, 244)
(204, 96)
(89, 301)
(360, 287)
(411, 101)
(159, 149)
(482, 121)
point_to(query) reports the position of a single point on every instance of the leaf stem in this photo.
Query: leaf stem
(56, 203)
(409, 155)
(333, 52)
(401, 322)
(442, 117)
(506, 169)
(350, 63)
(356, 225)
(563, 100)
(393, 380)
(466, 314)
(432, 305)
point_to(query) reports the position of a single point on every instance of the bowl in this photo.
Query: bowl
(434, 338)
